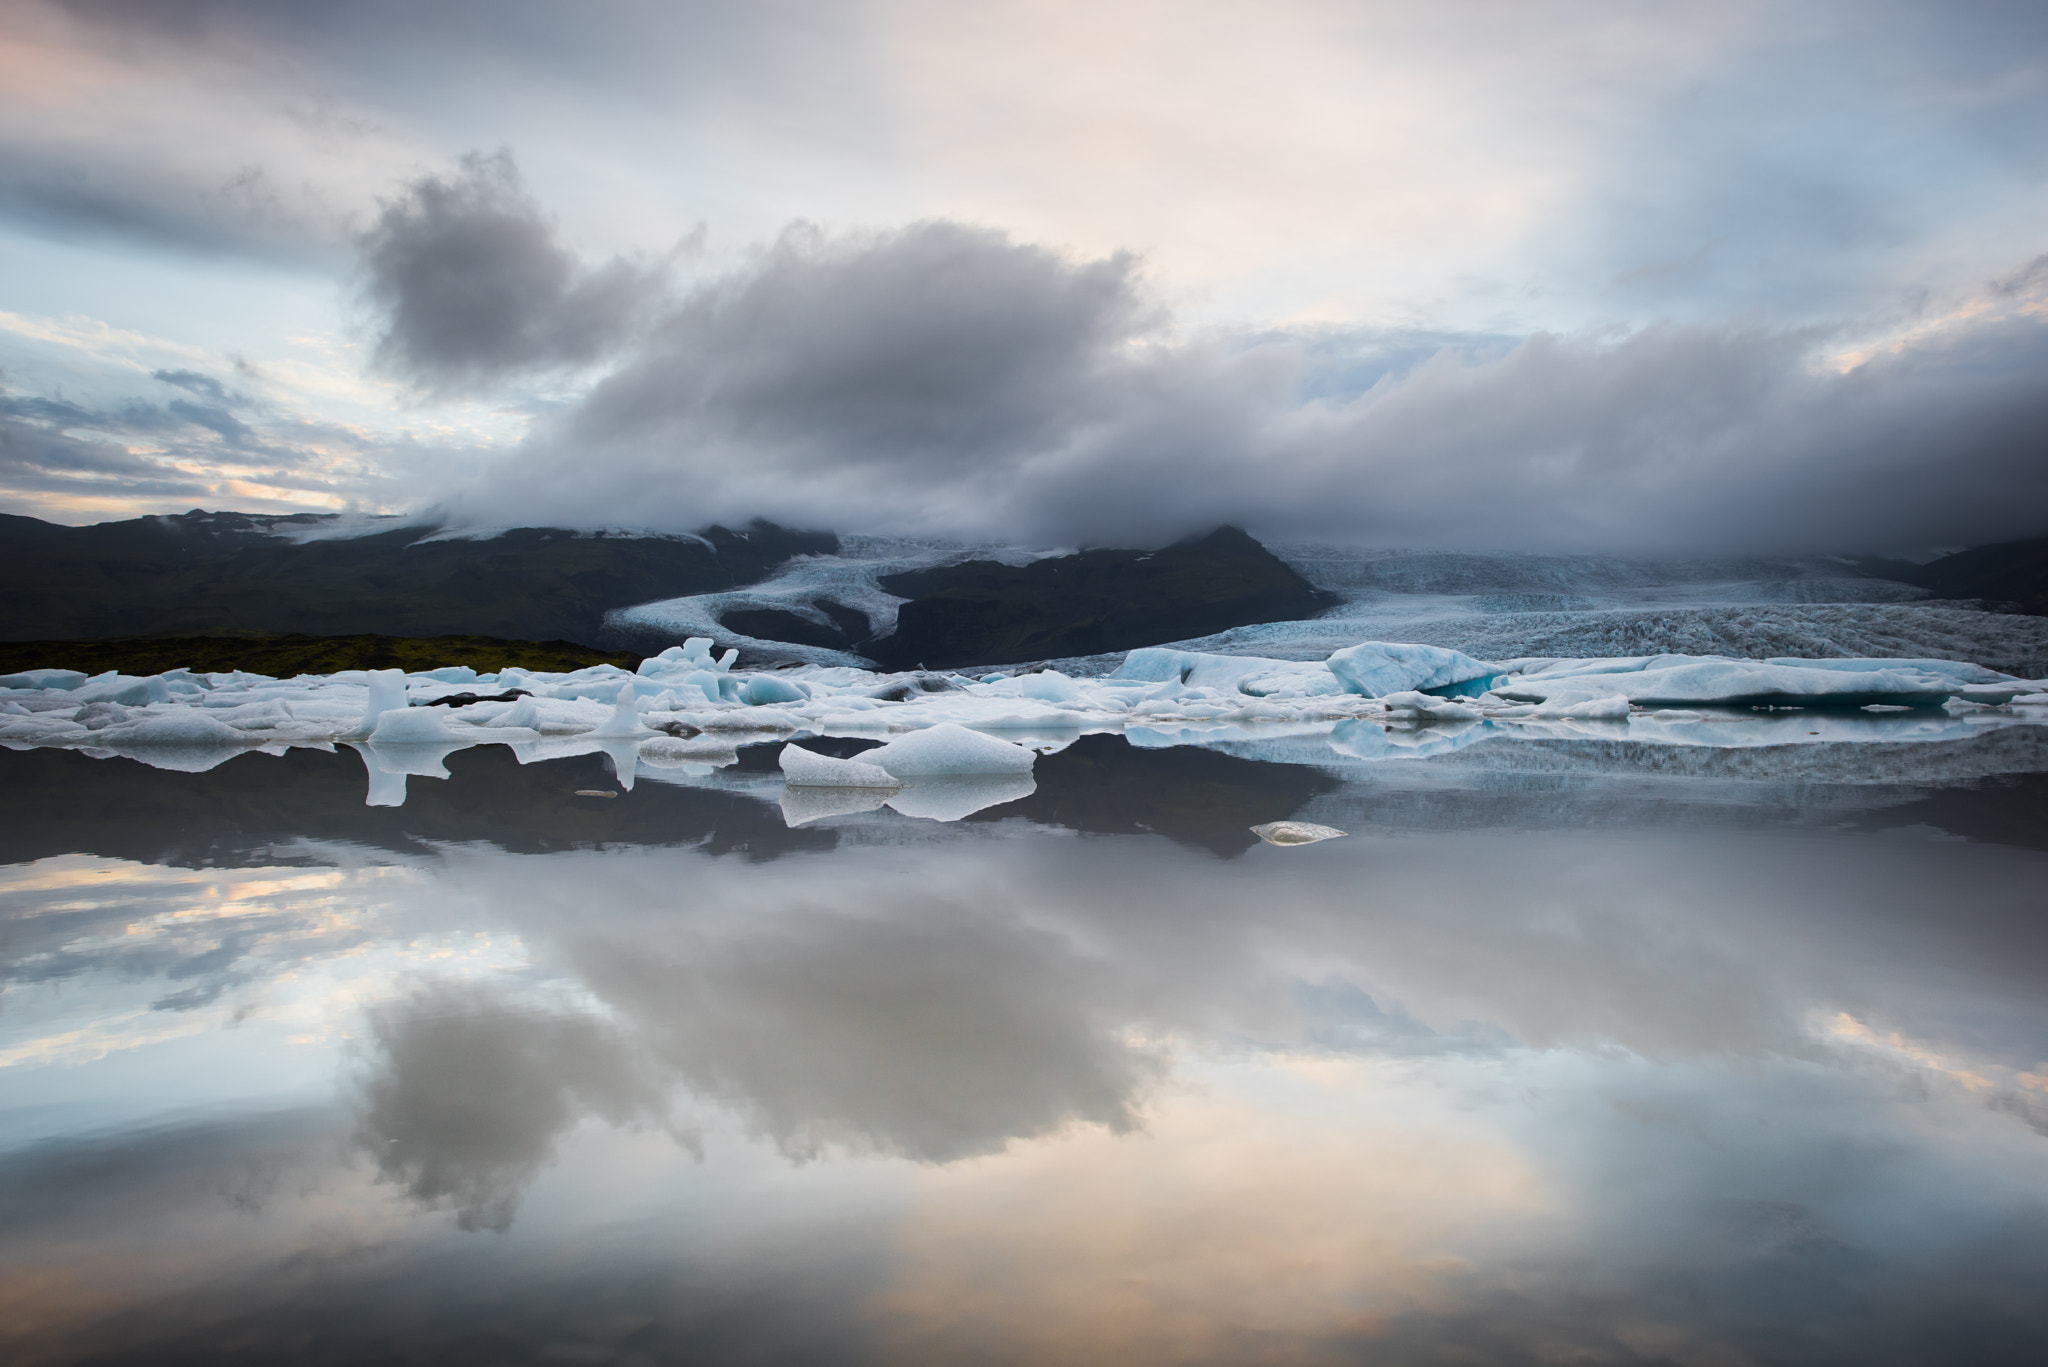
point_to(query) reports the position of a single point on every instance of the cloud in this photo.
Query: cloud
(474, 284)
(919, 1030)
(945, 378)
(468, 1091)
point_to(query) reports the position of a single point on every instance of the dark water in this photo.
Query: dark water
(1573, 1051)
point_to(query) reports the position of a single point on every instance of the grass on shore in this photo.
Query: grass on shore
(283, 656)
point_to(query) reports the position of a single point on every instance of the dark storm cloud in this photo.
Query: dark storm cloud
(946, 378)
(473, 283)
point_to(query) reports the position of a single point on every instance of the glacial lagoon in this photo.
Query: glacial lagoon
(1577, 1047)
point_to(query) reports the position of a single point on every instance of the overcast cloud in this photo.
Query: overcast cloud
(946, 379)
(1559, 276)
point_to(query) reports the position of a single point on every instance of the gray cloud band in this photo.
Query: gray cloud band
(946, 379)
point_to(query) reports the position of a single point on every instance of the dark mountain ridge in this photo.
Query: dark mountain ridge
(984, 612)
(2009, 573)
(203, 573)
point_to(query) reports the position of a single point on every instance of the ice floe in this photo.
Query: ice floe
(953, 744)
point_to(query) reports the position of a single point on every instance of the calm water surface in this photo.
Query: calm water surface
(1573, 1051)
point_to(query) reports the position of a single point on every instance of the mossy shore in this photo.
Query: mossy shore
(282, 656)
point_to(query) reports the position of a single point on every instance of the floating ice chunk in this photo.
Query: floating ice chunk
(1295, 832)
(1957, 671)
(1686, 681)
(267, 715)
(1230, 674)
(387, 692)
(951, 749)
(181, 727)
(415, 726)
(748, 719)
(1377, 668)
(624, 720)
(801, 806)
(1613, 707)
(951, 797)
(807, 769)
(1047, 686)
(760, 689)
(128, 690)
(1431, 708)
(449, 674)
(1994, 695)
(66, 679)
(2031, 700)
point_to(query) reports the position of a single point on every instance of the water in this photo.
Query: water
(1572, 1051)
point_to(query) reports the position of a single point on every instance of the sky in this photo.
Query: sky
(1627, 277)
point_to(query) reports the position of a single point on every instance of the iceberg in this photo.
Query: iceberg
(807, 769)
(1693, 681)
(65, 679)
(176, 728)
(1377, 668)
(387, 693)
(1295, 832)
(414, 726)
(948, 749)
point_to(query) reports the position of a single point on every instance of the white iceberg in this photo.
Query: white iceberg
(1295, 833)
(803, 768)
(948, 749)
(1692, 681)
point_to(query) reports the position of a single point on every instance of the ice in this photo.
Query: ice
(66, 679)
(1682, 681)
(387, 692)
(943, 731)
(1413, 704)
(1377, 668)
(762, 689)
(413, 726)
(807, 769)
(948, 749)
(176, 728)
(624, 720)
(128, 690)
(1295, 833)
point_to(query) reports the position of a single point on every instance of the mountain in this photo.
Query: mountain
(985, 612)
(206, 573)
(2013, 572)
